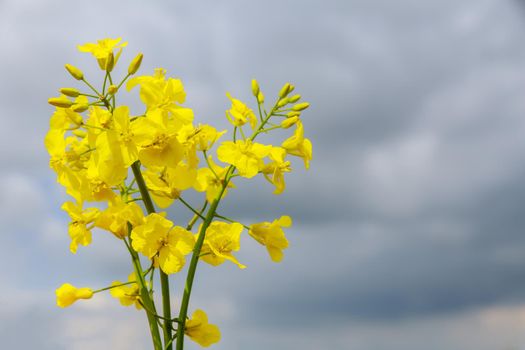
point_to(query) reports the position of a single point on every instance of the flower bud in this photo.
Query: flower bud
(75, 72)
(68, 294)
(112, 89)
(293, 114)
(294, 98)
(282, 103)
(255, 88)
(79, 133)
(75, 117)
(61, 102)
(260, 97)
(285, 124)
(110, 62)
(286, 89)
(301, 106)
(79, 108)
(135, 64)
(71, 92)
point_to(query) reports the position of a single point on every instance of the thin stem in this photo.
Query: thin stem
(191, 208)
(111, 287)
(92, 88)
(145, 296)
(193, 263)
(196, 217)
(209, 164)
(230, 220)
(164, 281)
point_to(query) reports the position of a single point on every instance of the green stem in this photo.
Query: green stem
(146, 299)
(164, 281)
(183, 314)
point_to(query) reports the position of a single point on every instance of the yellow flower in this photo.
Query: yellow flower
(127, 294)
(107, 162)
(157, 238)
(239, 114)
(116, 217)
(166, 184)
(272, 236)
(68, 294)
(220, 241)
(103, 49)
(200, 331)
(211, 180)
(122, 127)
(297, 145)
(203, 136)
(78, 230)
(274, 171)
(246, 156)
(157, 140)
(157, 92)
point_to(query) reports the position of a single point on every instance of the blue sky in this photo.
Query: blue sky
(408, 228)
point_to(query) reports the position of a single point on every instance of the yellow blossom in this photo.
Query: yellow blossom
(297, 145)
(166, 184)
(220, 241)
(200, 331)
(247, 156)
(157, 140)
(239, 114)
(158, 238)
(78, 230)
(210, 180)
(127, 294)
(274, 171)
(116, 217)
(157, 92)
(68, 294)
(203, 136)
(121, 125)
(102, 49)
(271, 235)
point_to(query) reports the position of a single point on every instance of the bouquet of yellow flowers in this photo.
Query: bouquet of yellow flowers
(93, 142)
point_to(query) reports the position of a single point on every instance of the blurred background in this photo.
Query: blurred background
(408, 228)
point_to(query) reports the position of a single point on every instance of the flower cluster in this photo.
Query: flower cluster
(109, 160)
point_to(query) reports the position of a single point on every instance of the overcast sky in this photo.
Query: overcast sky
(408, 230)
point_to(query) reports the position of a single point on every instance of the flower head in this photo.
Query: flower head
(271, 235)
(103, 49)
(200, 331)
(220, 241)
(157, 238)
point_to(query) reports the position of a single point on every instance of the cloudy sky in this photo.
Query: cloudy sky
(408, 230)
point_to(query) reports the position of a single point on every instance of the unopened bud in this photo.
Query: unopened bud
(301, 106)
(61, 102)
(294, 98)
(80, 107)
(260, 97)
(110, 62)
(135, 64)
(75, 118)
(79, 133)
(287, 88)
(282, 103)
(112, 89)
(293, 114)
(255, 88)
(75, 72)
(285, 124)
(71, 92)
